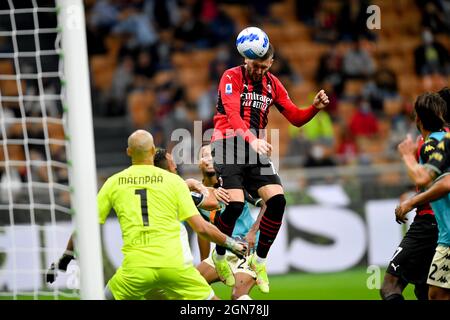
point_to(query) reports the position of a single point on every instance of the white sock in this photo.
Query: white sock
(260, 260)
(244, 297)
(220, 256)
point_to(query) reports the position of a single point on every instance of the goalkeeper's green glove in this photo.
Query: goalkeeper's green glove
(61, 264)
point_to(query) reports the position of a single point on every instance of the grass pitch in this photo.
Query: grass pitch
(347, 285)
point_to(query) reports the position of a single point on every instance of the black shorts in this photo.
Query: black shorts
(238, 166)
(412, 259)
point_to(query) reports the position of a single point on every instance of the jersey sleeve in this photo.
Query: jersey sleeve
(427, 149)
(186, 206)
(230, 94)
(197, 198)
(289, 110)
(104, 203)
(439, 161)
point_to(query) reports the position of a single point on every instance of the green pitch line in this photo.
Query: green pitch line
(347, 285)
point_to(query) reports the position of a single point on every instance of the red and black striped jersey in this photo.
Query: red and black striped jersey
(243, 105)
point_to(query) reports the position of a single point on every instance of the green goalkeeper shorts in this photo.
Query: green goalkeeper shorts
(184, 283)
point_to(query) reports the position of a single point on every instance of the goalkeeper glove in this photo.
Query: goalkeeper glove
(61, 264)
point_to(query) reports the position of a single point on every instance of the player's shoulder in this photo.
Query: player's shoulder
(233, 72)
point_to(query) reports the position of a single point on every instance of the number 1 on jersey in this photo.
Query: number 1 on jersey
(142, 193)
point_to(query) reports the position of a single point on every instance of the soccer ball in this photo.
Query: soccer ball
(252, 43)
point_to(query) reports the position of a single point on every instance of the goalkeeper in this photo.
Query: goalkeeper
(150, 203)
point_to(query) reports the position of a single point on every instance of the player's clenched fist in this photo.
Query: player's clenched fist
(407, 146)
(261, 146)
(321, 100)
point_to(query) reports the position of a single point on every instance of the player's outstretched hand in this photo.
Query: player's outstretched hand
(50, 275)
(63, 262)
(222, 195)
(251, 240)
(238, 246)
(261, 146)
(402, 209)
(407, 146)
(321, 100)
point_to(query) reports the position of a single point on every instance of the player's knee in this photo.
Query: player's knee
(232, 212)
(276, 206)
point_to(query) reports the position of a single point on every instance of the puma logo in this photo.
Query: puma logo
(395, 267)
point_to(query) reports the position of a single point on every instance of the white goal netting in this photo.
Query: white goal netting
(35, 206)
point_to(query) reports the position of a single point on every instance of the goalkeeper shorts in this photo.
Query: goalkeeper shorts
(184, 283)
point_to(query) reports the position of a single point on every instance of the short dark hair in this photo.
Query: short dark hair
(269, 54)
(160, 160)
(430, 108)
(444, 93)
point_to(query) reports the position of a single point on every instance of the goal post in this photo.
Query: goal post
(48, 179)
(83, 176)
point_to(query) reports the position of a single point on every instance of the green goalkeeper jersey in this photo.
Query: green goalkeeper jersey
(150, 203)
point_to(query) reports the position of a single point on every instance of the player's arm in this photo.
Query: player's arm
(188, 212)
(417, 173)
(62, 263)
(104, 208)
(208, 202)
(251, 235)
(438, 190)
(289, 110)
(204, 247)
(211, 233)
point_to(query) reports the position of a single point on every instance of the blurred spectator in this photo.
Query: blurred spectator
(431, 57)
(330, 70)
(363, 123)
(120, 87)
(346, 146)
(314, 140)
(283, 70)
(189, 31)
(352, 22)
(136, 25)
(383, 85)
(145, 65)
(222, 28)
(358, 64)
(104, 14)
(305, 10)
(326, 23)
(95, 39)
(434, 15)
(164, 14)
(163, 50)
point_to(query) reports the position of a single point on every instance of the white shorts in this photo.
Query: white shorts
(439, 274)
(237, 265)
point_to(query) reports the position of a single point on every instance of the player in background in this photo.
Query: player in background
(150, 203)
(412, 258)
(246, 227)
(423, 175)
(242, 155)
